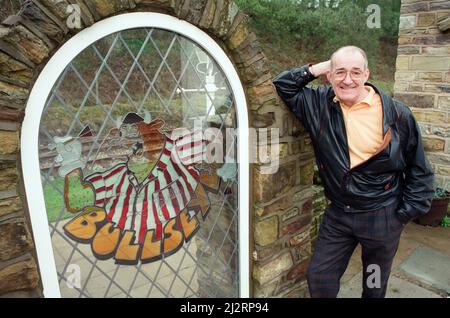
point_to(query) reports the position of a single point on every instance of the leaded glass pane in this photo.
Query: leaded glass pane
(134, 207)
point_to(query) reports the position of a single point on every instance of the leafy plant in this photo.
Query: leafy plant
(445, 222)
(441, 193)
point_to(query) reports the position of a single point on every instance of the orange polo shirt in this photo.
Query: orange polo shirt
(364, 126)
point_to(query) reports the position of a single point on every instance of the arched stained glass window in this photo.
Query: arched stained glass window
(138, 160)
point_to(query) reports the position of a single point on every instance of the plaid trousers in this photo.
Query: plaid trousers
(378, 232)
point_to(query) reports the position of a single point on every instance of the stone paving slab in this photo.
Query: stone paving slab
(429, 266)
(397, 288)
(414, 237)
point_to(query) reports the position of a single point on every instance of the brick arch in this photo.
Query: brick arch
(279, 202)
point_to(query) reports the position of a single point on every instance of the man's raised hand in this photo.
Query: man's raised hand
(320, 68)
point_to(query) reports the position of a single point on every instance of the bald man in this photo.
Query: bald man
(372, 164)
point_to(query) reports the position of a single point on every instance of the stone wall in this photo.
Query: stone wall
(422, 79)
(320, 203)
(281, 203)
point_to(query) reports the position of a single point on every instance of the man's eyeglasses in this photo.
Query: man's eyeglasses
(355, 75)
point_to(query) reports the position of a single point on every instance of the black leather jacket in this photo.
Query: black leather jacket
(398, 171)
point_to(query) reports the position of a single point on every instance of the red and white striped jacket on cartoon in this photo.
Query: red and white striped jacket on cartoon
(165, 192)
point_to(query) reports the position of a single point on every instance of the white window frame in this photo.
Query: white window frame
(36, 103)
